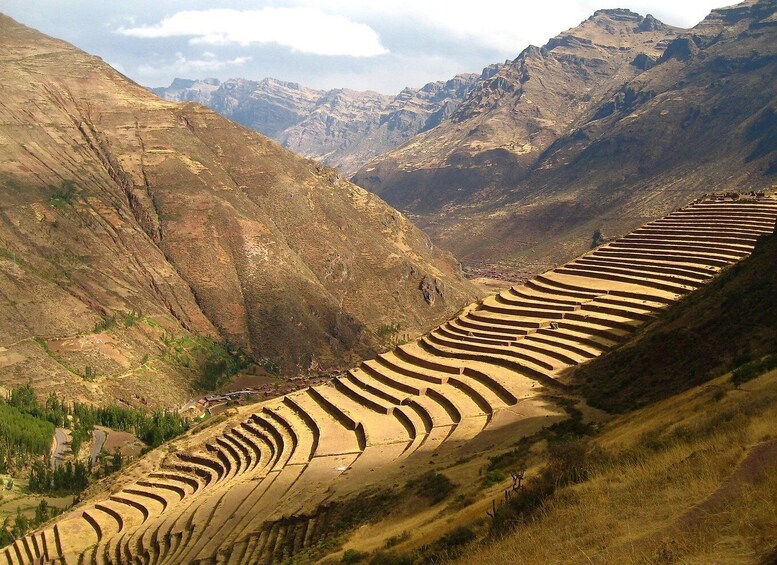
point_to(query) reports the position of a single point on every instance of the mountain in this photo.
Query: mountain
(341, 127)
(610, 124)
(138, 236)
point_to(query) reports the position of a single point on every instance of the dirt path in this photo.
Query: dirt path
(98, 440)
(59, 446)
(760, 458)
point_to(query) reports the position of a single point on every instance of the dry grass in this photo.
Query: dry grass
(664, 460)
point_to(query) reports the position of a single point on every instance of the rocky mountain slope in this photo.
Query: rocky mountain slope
(137, 234)
(343, 128)
(612, 123)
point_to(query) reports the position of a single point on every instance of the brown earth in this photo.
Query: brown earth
(116, 202)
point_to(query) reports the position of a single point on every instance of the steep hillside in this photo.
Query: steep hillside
(608, 125)
(689, 479)
(130, 225)
(341, 127)
(721, 327)
(457, 410)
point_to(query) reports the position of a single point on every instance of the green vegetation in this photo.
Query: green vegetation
(753, 369)
(26, 433)
(397, 539)
(22, 435)
(433, 486)
(88, 373)
(688, 479)
(461, 501)
(66, 478)
(353, 556)
(152, 428)
(448, 547)
(493, 477)
(721, 326)
(568, 431)
(27, 426)
(128, 319)
(342, 517)
(389, 334)
(64, 195)
(9, 532)
(105, 323)
(386, 331)
(219, 361)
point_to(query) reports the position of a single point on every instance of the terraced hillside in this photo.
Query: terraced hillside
(256, 487)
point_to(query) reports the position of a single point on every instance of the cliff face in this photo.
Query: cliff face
(343, 128)
(166, 224)
(609, 124)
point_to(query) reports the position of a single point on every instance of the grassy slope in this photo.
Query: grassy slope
(659, 463)
(719, 327)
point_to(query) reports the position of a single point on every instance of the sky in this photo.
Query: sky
(382, 45)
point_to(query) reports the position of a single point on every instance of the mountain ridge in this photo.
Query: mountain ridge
(134, 227)
(672, 108)
(341, 127)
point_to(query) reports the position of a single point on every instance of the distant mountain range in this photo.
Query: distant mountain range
(343, 128)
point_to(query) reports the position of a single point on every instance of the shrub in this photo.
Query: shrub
(105, 323)
(383, 558)
(462, 501)
(129, 318)
(353, 556)
(397, 539)
(493, 478)
(456, 538)
(64, 195)
(753, 369)
(434, 486)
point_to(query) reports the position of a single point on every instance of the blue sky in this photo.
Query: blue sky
(379, 45)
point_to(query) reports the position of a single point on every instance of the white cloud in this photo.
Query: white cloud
(303, 29)
(508, 26)
(183, 66)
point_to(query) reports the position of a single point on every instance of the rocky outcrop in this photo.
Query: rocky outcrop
(137, 233)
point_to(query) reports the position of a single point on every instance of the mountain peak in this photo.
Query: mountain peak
(612, 28)
(621, 14)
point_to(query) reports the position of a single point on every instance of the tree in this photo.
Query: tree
(80, 478)
(21, 525)
(116, 461)
(42, 511)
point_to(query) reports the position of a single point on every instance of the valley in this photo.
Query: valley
(235, 328)
(607, 126)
